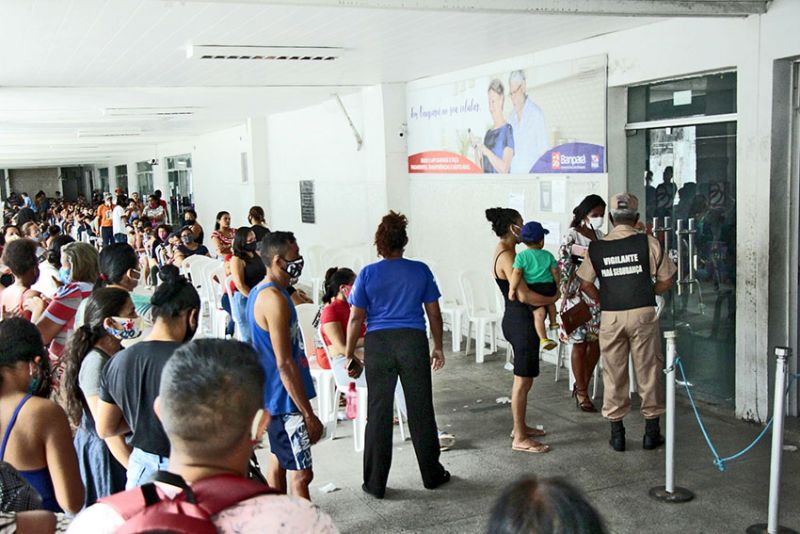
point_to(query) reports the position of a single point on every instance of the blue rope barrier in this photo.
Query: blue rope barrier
(718, 461)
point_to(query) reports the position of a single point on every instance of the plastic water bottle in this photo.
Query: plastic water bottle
(351, 407)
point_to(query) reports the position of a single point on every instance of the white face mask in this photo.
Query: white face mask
(596, 222)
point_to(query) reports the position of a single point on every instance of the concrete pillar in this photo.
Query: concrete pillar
(395, 153)
(88, 182)
(6, 189)
(133, 178)
(754, 77)
(258, 161)
(112, 178)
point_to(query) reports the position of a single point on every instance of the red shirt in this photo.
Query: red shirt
(337, 311)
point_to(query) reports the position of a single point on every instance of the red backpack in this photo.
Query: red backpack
(148, 509)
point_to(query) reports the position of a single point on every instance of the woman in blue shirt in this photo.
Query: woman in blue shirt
(392, 294)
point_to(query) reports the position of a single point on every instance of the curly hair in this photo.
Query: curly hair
(391, 235)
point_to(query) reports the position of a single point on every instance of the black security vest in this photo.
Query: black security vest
(623, 268)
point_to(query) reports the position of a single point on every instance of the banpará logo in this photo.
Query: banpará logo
(573, 160)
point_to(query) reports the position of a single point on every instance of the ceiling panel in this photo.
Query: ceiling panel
(63, 61)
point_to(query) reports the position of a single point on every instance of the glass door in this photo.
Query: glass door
(179, 176)
(690, 203)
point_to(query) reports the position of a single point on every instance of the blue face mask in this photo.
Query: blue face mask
(65, 275)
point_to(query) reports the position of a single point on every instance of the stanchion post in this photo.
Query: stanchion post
(669, 492)
(782, 355)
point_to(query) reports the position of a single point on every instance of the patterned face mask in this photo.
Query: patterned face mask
(294, 268)
(129, 327)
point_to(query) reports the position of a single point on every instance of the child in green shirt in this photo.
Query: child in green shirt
(539, 269)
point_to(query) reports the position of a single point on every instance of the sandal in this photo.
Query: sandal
(532, 433)
(585, 405)
(533, 447)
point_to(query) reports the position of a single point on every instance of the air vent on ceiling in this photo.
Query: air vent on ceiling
(173, 112)
(303, 54)
(126, 132)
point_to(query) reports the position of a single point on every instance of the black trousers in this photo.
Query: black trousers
(389, 354)
(107, 233)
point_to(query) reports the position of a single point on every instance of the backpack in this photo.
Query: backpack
(148, 509)
(16, 493)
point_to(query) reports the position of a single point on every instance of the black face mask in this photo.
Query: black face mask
(189, 221)
(250, 247)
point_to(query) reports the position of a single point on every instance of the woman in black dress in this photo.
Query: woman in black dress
(518, 327)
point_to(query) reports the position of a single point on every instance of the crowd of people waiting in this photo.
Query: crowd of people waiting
(106, 402)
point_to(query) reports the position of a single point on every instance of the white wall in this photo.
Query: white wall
(216, 176)
(448, 223)
(316, 143)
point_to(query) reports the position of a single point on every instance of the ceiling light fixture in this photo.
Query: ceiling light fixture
(300, 54)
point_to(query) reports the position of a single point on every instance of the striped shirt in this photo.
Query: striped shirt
(62, 310)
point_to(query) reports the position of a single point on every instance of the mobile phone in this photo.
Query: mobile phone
(355, 365)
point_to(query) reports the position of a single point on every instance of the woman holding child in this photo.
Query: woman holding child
(518, 326)
(585, 228)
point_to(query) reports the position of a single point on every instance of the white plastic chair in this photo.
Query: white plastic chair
(342, 381)
(187, 263)
(314, 273)
(198, 270)
(323, 377)
(481, 311)
(218, 316)
(453, 310)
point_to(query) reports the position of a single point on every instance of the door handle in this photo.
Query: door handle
(692, 232)
(680, 233)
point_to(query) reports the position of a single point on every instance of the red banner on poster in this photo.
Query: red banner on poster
(440, 161)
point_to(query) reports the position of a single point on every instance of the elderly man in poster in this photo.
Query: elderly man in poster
(527, 123)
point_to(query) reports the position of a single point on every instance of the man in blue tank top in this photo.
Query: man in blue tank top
(277, 339)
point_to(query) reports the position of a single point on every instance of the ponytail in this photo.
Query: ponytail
(103, 303)
(334, 279)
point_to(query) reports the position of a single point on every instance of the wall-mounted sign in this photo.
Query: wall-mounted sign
(543, 119)
(307, 208)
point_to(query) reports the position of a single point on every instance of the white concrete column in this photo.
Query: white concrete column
(133, 179)
(754, 78)
(6, 183)
(258, 161)
(393, 101)
(112, 178)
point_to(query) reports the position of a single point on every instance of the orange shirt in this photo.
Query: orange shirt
(104, 214)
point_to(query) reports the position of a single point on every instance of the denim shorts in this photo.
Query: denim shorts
(143, 465)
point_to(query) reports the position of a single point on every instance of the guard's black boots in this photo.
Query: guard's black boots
(652, 435)
(617, 440)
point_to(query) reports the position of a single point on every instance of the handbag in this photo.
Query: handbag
(576, 316)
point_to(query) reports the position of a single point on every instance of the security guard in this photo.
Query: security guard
(626, 261)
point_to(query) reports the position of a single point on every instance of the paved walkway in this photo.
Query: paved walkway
(482, 463)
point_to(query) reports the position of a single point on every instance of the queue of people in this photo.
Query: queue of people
(129, 398)
(608, 288)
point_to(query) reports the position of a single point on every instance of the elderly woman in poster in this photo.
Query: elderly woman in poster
(494, 155)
